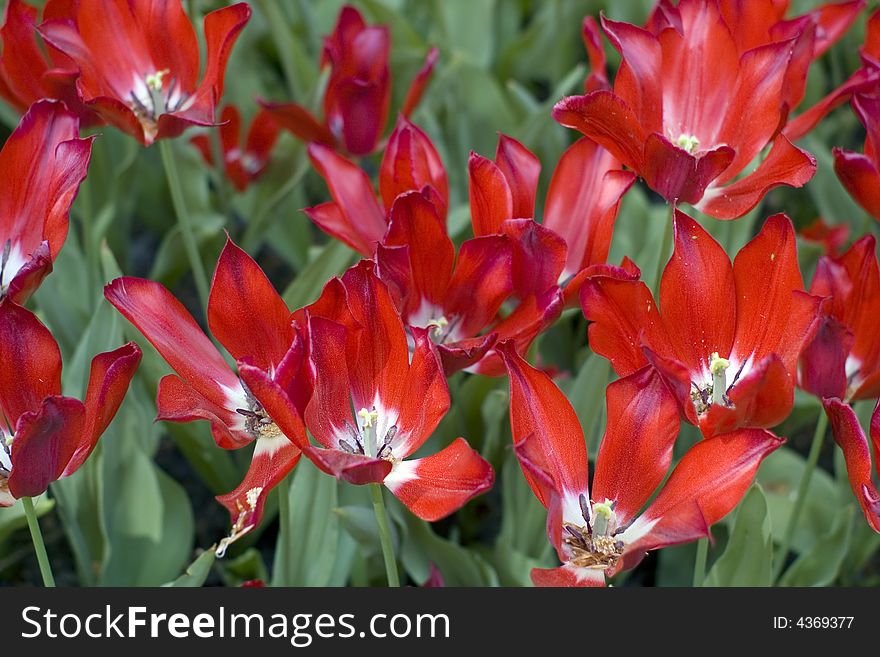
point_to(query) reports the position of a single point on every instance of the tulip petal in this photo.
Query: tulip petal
(541, 415)
(174, 333)
(539, 256)
(698, 297)
(609, 121)
(567, 576)
(582, 203)
(178, 401)
(786, 164)
(490, 196)
(850, 437)
(45, 440)
(773, 314)
(438, 485)
(419, 83)
(705, 486)
(30, 362)
(823, 360)
(411, 162)
(859, 176)
(636, 450)
(352, 191)
(245, 313)
(679, 176)
(299, 121)
(521, 168)
(109, 377)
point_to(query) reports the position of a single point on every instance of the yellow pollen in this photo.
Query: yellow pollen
(438, 324)
(368, 417)
(604, 509)
(717, 365)
(9, 440)
(688, 143)
(252, 496)
(154, 80)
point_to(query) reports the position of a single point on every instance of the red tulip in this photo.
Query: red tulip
(376, 397)
(830, 237)
(249, 318)
(599, 531)
(358, 95)
(43, 162)
(841, 364)
(690, 111)
(843, 359)
(243, 163)
(458, 300)
(139, 62)
(52, 435)
(581, 207)
(726, 339)
(860, 172)
(26, 73)
(355, 216)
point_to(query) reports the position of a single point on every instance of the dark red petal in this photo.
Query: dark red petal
(362, 111)
(582, 203)
(823, 360)
(490, 196)
(538, 256)
(356, 469)
(409, 164)
(22, 61)
(462, 354)
(850, 436)
(621, 309)
(298, 120)
(698, 296)
(678, 379)
(773, 314)
(679, 176)
(608, 120)
(109, 377)
(786, 164)
(521, 168)
(438, 485)
(859, 175)
(45, 439)
(420, 82)
(636, 450)
(177, 401)
(598, 78)
(30, 362)
(261, 137)
(761, 399)
(245, 313)
(567, 576)
(353, 193)
(703, 488)
(540, 413)
(330, 218)
(174, 333)
(271, 462)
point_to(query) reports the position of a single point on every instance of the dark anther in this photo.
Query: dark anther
(346, 446)
(585, 511)
(247, 413)
(618, 545)
(385, 449)
(139, 106)
(736, 377)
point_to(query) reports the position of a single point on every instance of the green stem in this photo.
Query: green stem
(184, 221)
(37, 538)
(700, 561)
(665, 248)
(803, 487)
(256, 227)
(280, 30)
(384, 534)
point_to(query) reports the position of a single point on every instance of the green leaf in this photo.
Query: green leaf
(587, 396)
(305, 288)
(748, 559)
(12, 518)
(458, 565)
(820, 565)
(197, 572)
(360, 523)
(249, 565)
(468, 28)
(309, 536)
(779, 477)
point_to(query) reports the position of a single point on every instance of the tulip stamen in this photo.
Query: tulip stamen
(688, 143)
(594, 545)
(155, 98)
(257, 421)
